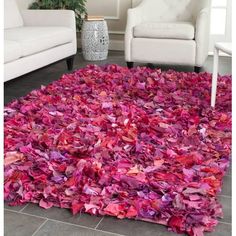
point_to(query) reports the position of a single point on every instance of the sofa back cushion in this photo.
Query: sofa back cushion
(12, 16)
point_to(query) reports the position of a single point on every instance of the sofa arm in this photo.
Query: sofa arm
(134, 18)
(64, 18)
(202, 34)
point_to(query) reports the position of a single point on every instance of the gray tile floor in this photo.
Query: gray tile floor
(30, 220)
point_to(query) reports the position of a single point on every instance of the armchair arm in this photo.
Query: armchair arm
(64, 18)
(202, 34)
(134, 18)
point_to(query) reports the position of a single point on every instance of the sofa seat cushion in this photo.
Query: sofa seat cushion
(36, 39)
(12, 51)
(168, 30)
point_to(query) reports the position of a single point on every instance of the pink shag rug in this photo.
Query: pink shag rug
(140, 143)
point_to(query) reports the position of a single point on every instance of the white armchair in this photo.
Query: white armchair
(172, 32)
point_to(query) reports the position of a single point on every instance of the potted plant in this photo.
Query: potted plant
(78, 6)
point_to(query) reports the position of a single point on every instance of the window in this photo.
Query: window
(221, 22)
(218, 17)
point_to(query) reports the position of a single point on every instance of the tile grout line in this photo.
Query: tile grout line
(226, 196)
(37, 230)
(50, 219)
(24, 207)
(6, 209)
(226, 223)
(27, 214)
(99, 222)
(82, 226)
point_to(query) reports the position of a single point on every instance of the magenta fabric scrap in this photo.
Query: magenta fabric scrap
(141, 144)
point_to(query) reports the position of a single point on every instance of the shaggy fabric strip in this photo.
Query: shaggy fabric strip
(140, 143)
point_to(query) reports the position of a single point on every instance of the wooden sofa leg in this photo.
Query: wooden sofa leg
(130, 64)
(197, 69)
(151, 66)
(70, 62)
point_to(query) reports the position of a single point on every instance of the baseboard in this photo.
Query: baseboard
(221, 54)
(116, 45)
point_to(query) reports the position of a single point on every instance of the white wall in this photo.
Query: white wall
(115, 12)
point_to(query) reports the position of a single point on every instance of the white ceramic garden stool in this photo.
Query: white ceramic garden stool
(226, 48)
(95, 40)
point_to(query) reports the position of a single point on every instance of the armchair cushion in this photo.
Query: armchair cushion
(36, 39)
(168, 30)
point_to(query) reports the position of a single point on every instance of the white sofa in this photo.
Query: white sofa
(174, 32)
(36, 38)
